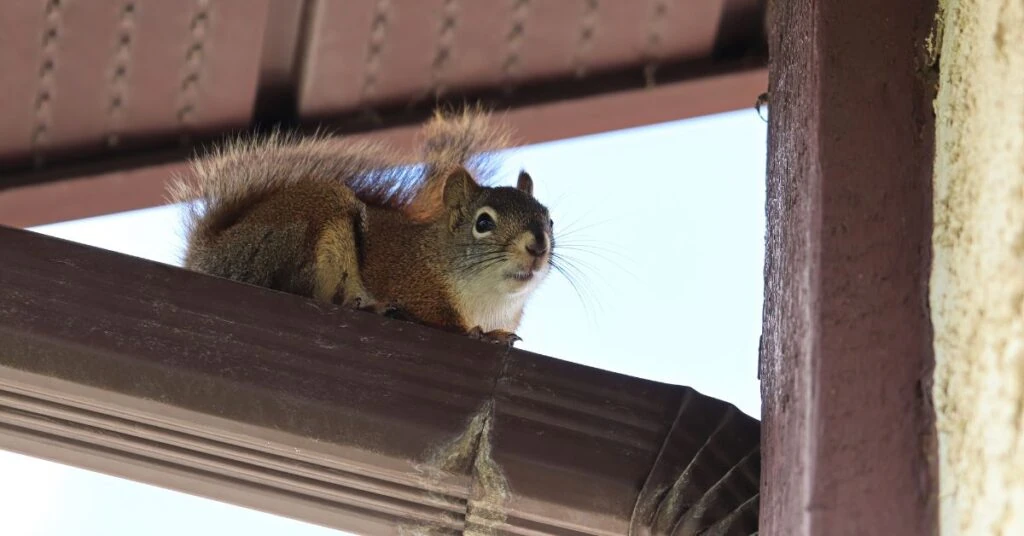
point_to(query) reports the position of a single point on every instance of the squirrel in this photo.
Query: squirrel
(359, 224)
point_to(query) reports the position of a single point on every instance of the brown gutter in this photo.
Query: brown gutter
(345, 419)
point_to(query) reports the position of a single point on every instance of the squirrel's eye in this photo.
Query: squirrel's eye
(551, 223)
(484, 223)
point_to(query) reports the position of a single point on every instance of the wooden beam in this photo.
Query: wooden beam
(846, 352)
(346, 419)
(139, 181)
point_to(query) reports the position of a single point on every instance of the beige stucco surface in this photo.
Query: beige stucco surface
(977, 287)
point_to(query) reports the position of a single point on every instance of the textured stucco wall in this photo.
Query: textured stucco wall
(977, 287)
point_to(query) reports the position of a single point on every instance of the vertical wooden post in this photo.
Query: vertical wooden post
(846, 353)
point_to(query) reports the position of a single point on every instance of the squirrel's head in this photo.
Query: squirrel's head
(502, 236)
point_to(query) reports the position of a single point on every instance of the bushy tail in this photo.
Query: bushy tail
(229, 180)
(232, 178)
(470, 137)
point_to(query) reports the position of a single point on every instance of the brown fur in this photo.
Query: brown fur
(355, 223)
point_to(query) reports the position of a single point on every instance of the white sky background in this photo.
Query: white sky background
(673, 217)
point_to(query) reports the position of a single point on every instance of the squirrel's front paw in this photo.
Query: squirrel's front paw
(496, 336)
(386, 310)
(370, 306)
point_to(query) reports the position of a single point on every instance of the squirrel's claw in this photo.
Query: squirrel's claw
(496, 336)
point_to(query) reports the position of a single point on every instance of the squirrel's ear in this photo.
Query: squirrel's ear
(525, 183)
(459, 188)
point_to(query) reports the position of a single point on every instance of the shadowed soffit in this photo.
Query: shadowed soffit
(104, 99)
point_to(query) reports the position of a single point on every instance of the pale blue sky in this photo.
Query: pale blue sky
(673, 215)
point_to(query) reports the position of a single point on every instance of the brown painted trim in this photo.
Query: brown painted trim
(139, 181)
(346, 419)
(84, 197)
(846, 350)
(624, 109)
